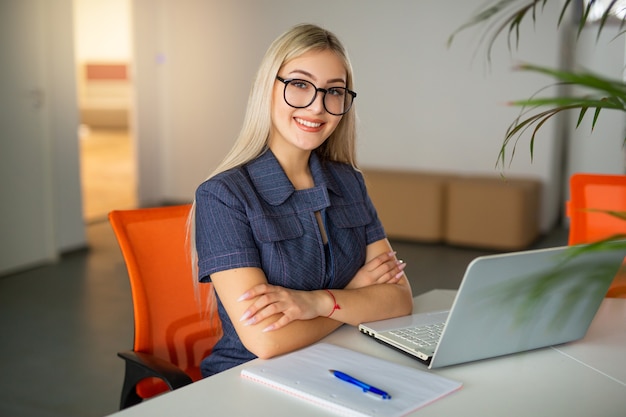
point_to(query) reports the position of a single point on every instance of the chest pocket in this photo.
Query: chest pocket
(347, 217)
(274, 229)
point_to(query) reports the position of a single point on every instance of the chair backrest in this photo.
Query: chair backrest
(591, 192)
(591, 195)
(169, 320)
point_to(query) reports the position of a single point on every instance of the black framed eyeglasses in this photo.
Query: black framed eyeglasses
(301, 93)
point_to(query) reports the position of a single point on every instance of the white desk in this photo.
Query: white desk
(584, 378)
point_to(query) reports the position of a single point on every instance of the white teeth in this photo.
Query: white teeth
(307, 124)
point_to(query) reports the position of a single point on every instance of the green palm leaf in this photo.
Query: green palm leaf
(603, 93)
(596, 93)
(600, 93)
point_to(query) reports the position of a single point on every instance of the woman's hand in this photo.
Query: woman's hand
(383, 269)
(292, 305)
(269, 300)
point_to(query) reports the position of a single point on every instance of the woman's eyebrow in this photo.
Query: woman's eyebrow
(308, 74)
(303, 72)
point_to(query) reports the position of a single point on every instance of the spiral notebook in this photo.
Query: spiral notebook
(305, 374)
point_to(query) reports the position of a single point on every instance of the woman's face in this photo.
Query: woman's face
(306, 128)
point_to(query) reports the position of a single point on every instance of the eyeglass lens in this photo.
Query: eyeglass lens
(301, 93)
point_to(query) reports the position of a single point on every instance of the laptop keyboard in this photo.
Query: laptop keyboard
(420, 337)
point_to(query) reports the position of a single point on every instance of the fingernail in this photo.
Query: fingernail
(401, 268)
(243, 296)
(401, 265)
(245, 316)
(250, 321)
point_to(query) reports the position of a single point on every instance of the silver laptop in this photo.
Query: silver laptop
(507, 303)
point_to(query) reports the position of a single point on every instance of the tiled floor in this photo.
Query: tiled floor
(62, 324)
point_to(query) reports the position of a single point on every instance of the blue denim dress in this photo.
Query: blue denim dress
(252, 216)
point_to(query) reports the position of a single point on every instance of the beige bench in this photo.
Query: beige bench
(492, 212)
(410, 205)
(473, 211)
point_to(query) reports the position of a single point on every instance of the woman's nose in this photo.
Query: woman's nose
(318, 103)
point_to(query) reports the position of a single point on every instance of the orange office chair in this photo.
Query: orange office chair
(591, 196)
(172, 333)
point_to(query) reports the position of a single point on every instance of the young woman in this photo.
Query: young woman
(284, 228)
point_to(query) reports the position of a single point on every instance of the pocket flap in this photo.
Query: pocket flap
(275, 229)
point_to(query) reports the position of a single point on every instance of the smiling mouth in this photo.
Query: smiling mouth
(307, 123)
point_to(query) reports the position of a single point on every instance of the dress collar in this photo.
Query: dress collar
(272, 183)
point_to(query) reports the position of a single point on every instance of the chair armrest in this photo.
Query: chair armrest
(156, 367)
(141, 365)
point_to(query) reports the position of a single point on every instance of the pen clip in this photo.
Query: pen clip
(377, 391)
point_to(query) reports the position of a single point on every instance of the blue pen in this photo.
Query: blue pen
(366, 387)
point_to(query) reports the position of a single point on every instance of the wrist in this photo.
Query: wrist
(335, 306)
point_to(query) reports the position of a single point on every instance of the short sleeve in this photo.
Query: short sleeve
(224, 238)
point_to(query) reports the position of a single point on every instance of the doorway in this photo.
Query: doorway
(107, 171)
(104, 85)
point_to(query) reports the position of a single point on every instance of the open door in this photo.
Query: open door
(26, 212)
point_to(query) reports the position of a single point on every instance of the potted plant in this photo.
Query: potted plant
(581, 91)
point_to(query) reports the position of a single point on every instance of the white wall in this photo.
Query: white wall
(422, 106)
(69, 227)
(103, 30)
(41, 209)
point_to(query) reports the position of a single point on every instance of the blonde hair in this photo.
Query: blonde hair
(255, 132)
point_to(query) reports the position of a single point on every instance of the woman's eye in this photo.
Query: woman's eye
(300, 84)
(339, 92)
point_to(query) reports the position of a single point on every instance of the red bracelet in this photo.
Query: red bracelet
(335, 306)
